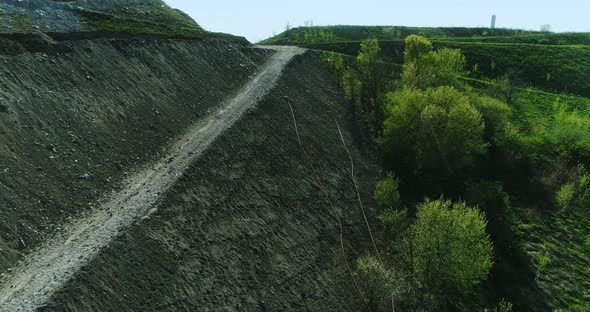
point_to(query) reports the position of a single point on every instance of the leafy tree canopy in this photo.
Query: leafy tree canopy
(425, 68)
(451, 247)
(416, 47)
(436, 130)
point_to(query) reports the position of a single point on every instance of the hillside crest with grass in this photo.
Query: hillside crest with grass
(556, 62)
(136, 16)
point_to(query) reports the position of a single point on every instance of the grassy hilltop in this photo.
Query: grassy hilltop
(135, 17)
(550, 61)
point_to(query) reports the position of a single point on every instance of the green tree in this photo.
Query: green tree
(425, 68)
(416, 47)
(569, 132)
(401, 125)
(352, 88)
(451, 249)
(368, 60)
(336, 62)
(437, 130)
(393, 217)
(387, 192)
(448, 66)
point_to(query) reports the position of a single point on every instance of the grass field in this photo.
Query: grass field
(157, 14)
(559, 246)
(552, 62)
(565, 69)
(114, 23)
(543, 39)
(557, 242)
(357, 33)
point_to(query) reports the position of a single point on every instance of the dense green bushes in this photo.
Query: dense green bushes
(547, 126)
(364, 79)
(441, 257)
(113, 23)
(425, 68)
(451, 248)
(446, 135)
(496, 115)
(387, 193)
(431, 132)
(438, 130)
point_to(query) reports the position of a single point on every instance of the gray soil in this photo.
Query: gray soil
(56, 261)
(239, 224)
(247, 227)
(74, 124)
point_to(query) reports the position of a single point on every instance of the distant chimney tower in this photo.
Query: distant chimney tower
(493, 21)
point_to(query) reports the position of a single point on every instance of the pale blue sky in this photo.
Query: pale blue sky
(259, 19)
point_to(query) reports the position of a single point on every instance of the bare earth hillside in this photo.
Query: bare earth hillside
(247, 226)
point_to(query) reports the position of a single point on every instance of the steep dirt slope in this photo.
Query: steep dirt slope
(58, 259)
(74, 123)
(247, 228)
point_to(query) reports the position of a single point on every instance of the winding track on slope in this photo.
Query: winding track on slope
(51, 266)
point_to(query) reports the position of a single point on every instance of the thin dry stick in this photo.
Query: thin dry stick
(335, 211)
(358, 193)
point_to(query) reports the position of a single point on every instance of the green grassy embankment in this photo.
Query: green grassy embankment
(552, 68)
(113, 23)
(557, 241)
(543, 39)
(302, 35)
(550, 61)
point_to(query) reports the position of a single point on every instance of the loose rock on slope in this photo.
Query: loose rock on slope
(46, 270)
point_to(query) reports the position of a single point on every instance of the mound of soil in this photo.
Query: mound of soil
(73, 124)
(247, 228)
